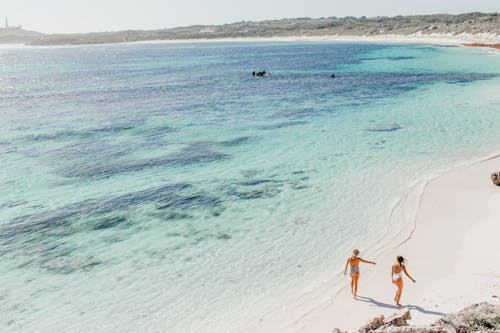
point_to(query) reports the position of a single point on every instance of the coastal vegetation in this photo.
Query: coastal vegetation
(470, 24)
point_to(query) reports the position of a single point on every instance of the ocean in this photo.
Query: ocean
(163, 188)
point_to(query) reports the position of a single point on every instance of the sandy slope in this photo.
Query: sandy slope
(454, 254)
(436, 39)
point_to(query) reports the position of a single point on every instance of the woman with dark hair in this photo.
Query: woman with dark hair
(397, 276)
(354, 261)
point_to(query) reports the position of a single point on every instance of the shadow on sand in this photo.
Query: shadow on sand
(390, 306)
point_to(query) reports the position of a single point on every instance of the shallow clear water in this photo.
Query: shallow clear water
(161, 188)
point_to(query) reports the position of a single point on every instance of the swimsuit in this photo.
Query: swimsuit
(354, 270)
(397, 276)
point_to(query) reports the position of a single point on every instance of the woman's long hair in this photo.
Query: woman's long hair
(401, 260)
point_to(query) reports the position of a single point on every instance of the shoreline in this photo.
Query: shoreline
(485, 41)
(437, 39)
(330, 306)
(333, 306)
(457, 224)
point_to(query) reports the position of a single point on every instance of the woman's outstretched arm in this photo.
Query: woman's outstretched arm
(408, 275)
(367, 261)
(346, 264)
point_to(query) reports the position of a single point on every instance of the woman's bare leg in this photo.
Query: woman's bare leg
(354, 284)
(399, 285)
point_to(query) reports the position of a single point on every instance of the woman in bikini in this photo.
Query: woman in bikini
(397, 276)
(354, 261)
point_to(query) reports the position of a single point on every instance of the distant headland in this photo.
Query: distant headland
(478, 25)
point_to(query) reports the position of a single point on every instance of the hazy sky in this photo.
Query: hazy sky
(104, 15)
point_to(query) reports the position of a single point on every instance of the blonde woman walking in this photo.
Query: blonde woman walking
(354, 261)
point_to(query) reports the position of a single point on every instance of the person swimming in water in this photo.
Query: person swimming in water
(397, 277)
(354, 261)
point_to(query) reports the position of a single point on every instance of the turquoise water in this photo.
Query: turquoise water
(161, 188)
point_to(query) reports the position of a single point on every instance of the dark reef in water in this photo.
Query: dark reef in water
(193, 153)
(43, 236)
(282, 125)
(103, 165)
(295, 113)
(384, 128)
(64, 135)
(391, 58)
(171, 195)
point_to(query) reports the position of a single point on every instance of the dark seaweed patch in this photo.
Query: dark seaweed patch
(235, 142)
(81, 151)
(6, 148)
(157, 133)
(223, 236)
(109, 222)
(265, 192)
(249, 173)
(400, 58)
(283, 125)
(42, 236)
(193, 154)
(298, 185)
(175, 216)
(81, 166)
(69, 264)
(295, 113)
(395, 58)
(64, 135)
(61, 221)
(185, 202)
(381, 85)
(12, 203)
(390, 78)
(384, 128)
(254, 182)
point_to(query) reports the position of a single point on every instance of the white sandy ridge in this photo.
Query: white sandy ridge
(419, 38)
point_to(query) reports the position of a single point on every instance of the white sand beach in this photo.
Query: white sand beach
(453, 254)
(436, 39)
(439, 39)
